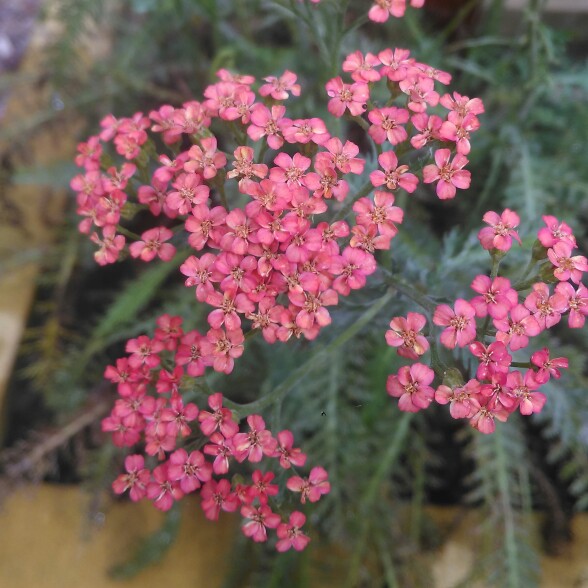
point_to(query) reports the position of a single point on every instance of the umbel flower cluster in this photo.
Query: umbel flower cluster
(256, 210)
(495, 324)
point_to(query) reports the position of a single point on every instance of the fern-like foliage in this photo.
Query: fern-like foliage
(501, 482)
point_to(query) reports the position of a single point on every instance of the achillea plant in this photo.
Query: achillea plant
(262, 215)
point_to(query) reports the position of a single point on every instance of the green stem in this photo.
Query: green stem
(510, 541)
(410, 292)
(120, 229)
(493, 273)
(521, 364)
(363, 191)
(368, 499)
(522, 280)
(243, 410)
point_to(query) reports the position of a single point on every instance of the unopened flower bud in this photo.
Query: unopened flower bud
(546, 273)
(453, 378)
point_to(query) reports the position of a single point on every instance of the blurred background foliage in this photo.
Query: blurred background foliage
(385, 466)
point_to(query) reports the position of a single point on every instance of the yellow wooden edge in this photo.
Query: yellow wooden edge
(39, 208)
(47, 541)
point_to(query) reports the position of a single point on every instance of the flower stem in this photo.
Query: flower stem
(370, 495)
(363, 191)
(410, 291)
(243, 410)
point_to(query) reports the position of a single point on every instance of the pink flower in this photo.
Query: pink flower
(255, 444)
(566, 266)
(205, 159)
(393, 175)
(461, 106)
(199, 272)
(411, 385)
(459, 399)
(516, 330)
(500, 233)
(162, 490)
(230, 305)
(366, 237)
(486, 410)
(154, 196)
(153, 245)
(494, 358)
(244, 166)
(217, 496)
(405, 335)
(352, 97)
(190, 354)
(144, 351)
(219, 419)
(169, 330)
(524, 391)
(342, 156)
(429, 127)
(111, 245)
(382, 9)
(278, 88)
(135, 480)
(206, 226)
(189, 470)
(222, 449)
(450, 175)
(387, 124)
(262, 518)
(325, 181)
(267, 123)
(496, 296)
(288, 454)
(311, 488)
(290, 170)
(396, 63)
(362, 68)
(381, 213)
(421, 92)
(290, 533)
(188, 192)
(311, 304)
(577, 302)
(306, 130)
(545, 308)
(261, 488)
(459, 131)
(224, 347)
(267, 318)
(460, 323)
(554, 232)
(548, 367)
(352, 268)
(177, 416)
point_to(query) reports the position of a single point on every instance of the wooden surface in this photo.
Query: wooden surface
(46, 541)
(28, 212)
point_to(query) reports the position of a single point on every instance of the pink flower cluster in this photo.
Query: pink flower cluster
(414, 85)
(496, 391)
(263, 259)
(151, 409)
(270, 261)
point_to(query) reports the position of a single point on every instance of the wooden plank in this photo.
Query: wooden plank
(28, 213)
(46, 542)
